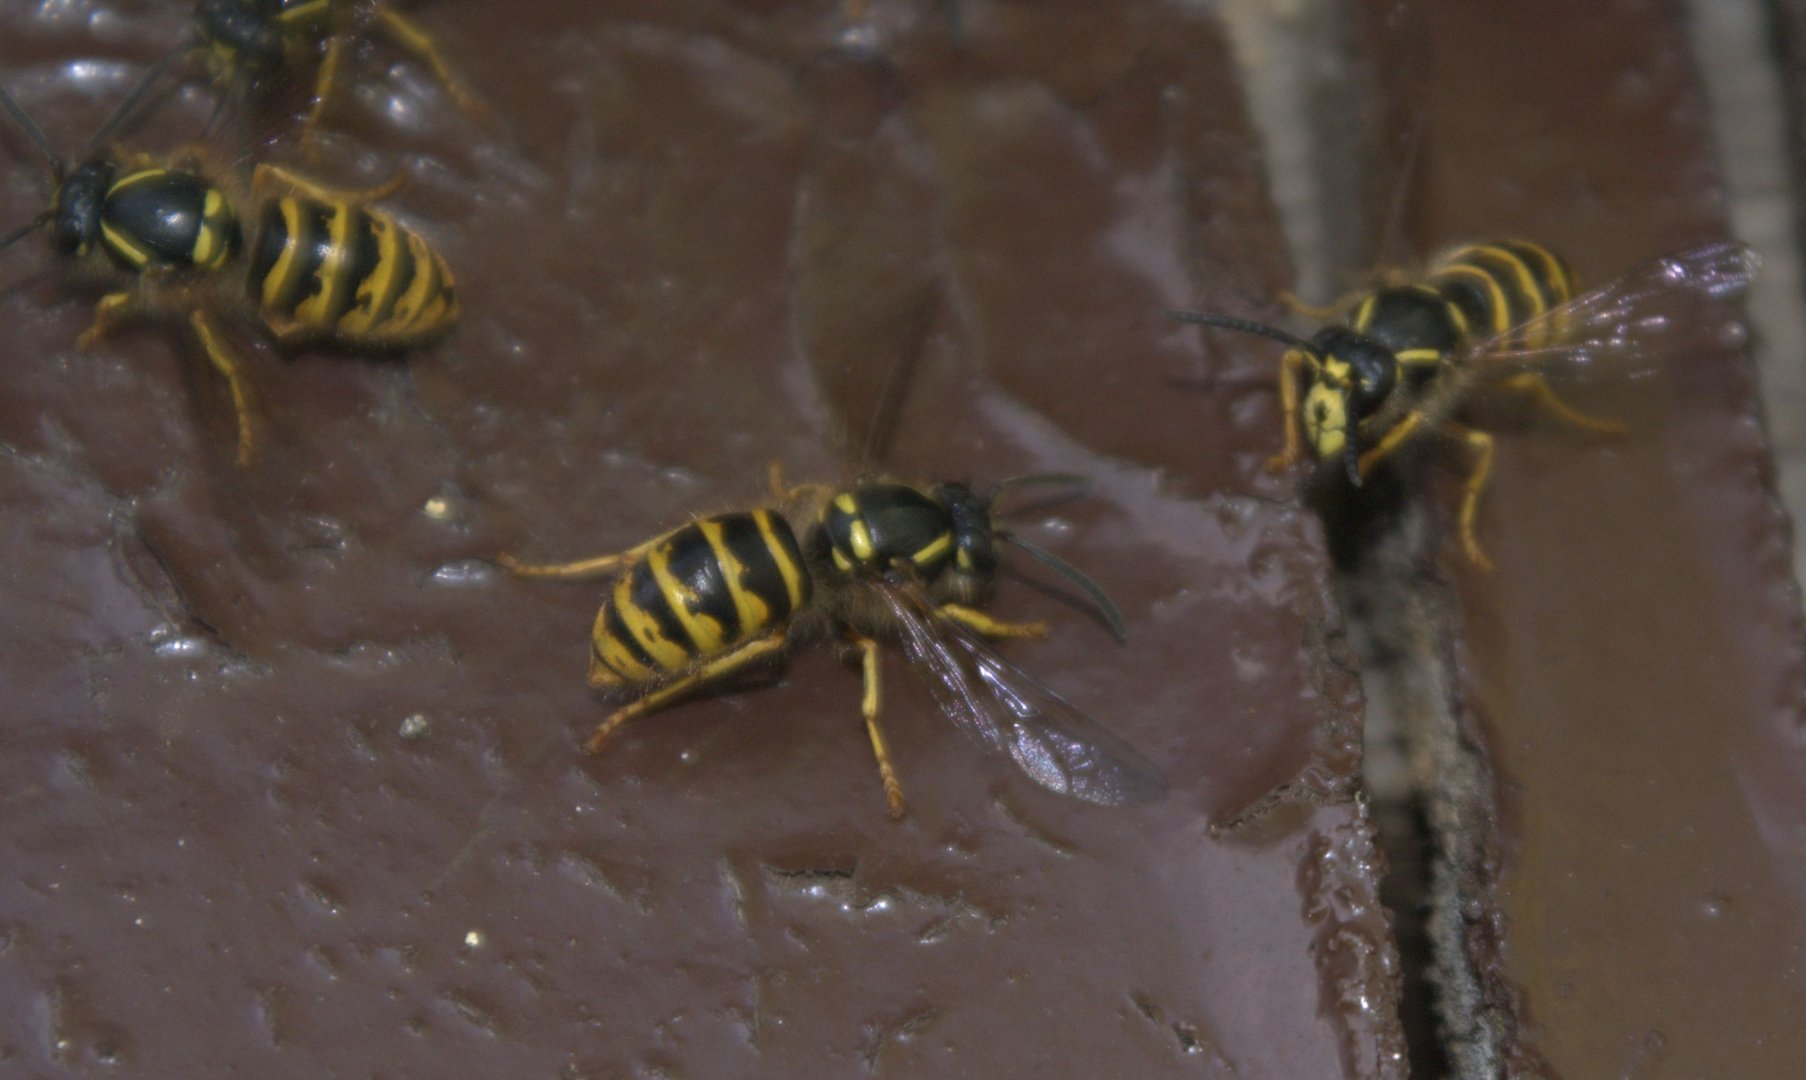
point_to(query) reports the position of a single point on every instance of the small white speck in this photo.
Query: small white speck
(415, 726)
(473, 940)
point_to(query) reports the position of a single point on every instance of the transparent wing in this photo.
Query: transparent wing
(1009, 712)
(1622, 324)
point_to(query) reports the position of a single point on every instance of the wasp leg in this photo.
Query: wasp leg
(706, 672)
(412, 38)
(1389, 442)
(1476, 483)
(229, 365)
(1533, 383)
(113, 309)
(581, 568)
(973, 619)
(868, 707)
(324, 84)
(1289, 367)
(267, 176)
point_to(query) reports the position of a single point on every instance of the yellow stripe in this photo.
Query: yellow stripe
(410, 310)
(707, 634)
(793, 574)
(665, 653)
(376, 292)
(755, 614)
(124, 245)
(1527, 279)
(279, 282)
(1364, 313)
(615, 656)
(210, 239)
(1418, 356)
(934, 550)
(316, 310)
(1501, 307)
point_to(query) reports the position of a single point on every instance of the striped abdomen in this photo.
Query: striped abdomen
(1490, 288)
(342, 271)
(699, 591)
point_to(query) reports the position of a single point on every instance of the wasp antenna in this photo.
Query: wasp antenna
(1076, 480)
(1352, 462)
(142, 87)
(36, 133)
(24, 230)
(1105, 606)
(1246, 326)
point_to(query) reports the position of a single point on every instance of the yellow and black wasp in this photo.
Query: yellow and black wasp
(1397, 361)
(878, 560)
(317, 265)
(249, 43)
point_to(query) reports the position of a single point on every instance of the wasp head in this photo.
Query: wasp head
(1352, 376)
(75, 213)
(974, 564)
(243, 37)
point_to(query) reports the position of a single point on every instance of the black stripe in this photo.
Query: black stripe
(360, 262)
(272, 237)
(1554, 288)
(618, 633)
(1473, 300)
(644, 593)
(760, 574)
(405, 269)
(1520, 307)
(693, 564)
(315, 244)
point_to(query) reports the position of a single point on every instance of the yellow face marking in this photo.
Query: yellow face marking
(703, 630)
(755, 614)
(664, 652)
(1325, 420)
(793, 574)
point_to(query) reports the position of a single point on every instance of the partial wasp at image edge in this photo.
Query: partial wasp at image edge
(322, 265)
(1395, 362)
(878, 560)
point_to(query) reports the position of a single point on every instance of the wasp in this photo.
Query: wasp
(880, 560)
(314, 264)
(1395, 362)
(248, 43)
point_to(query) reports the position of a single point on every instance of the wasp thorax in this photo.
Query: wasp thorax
(75, 219)
(884, 527)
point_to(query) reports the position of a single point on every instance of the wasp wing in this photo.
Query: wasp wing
(1621, 325)
(1009, 712)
